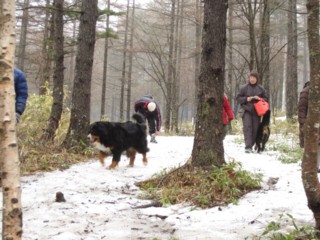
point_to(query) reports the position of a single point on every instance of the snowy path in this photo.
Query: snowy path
(99, 202)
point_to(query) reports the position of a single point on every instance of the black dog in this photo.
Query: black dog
(116, 137)
(263, 133)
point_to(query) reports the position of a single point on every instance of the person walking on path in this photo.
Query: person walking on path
(151, 111)
(247, 96)
(227, 116)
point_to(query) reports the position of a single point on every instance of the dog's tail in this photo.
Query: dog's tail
(138, 118)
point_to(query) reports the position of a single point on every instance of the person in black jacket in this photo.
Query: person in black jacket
(248, 95)
(151, 111)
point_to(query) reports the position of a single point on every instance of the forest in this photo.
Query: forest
(93, 59)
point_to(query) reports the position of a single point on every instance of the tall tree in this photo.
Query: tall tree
(124, 63)
(265, 46)
(80, 109)
(170, 67)
(130, 61)
(45, 67)
(23, 35)
(208, 146)
(292, 56)
(10, 164)
(197, 57)
(58, 76)
(105, 65)
(312, 133)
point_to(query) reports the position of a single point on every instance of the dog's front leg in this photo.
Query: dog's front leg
(115, 160)
(102, 156)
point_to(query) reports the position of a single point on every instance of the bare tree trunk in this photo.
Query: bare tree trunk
(312, 132)
(58, 77)
(105, 68)
(130, 62)
(23, 36)
(178, 68)
(124, 61)
(10, 164)
(265, 47)
(46, 58)
(197, 51)
(175, 84)
(170, 68)
(292, 55)
(208, 146)
(228, 89)
(80, 110)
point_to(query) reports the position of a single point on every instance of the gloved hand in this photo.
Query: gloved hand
(18, 115)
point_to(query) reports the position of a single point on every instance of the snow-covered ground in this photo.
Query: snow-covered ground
(101, 204)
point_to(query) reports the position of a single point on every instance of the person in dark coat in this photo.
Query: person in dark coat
(21, 90)
(302, 117)
(151, 111)
(247, 96)
(227, 116)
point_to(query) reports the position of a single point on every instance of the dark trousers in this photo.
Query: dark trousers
(251, 123)
(151, 125)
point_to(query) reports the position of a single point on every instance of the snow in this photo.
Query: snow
(100, 203)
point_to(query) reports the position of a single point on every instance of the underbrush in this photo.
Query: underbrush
(36, 155)
(275, 230)
(203, 188)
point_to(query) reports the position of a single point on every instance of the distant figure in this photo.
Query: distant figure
(21, 89)
(151, 111)
(227, 116)
(302, 117)
(247, 96)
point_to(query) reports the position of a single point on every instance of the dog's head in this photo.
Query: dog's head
(97, 135)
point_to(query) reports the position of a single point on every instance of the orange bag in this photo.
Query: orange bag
(261, 107)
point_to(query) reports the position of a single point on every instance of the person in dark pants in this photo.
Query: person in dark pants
(151, 111)
(248, 95)
(21, 90)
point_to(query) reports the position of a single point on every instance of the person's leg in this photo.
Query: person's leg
(152, 129)
(247, 130)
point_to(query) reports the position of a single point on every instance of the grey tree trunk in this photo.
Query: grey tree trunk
(23, 36)
(292, 55)
(197, 58)
(208, 146)
(80, 110)
(175, 82)
(265, 47)
(124, 62)
(170, 76)
(105, 68)
(228, 89)
(58, 76)
(46, 58)
(130, 62)
(312, 133)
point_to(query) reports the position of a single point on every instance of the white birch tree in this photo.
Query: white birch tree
(10, 164)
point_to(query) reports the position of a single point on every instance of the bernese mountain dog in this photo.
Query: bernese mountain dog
(263, 133)
(113, 138)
